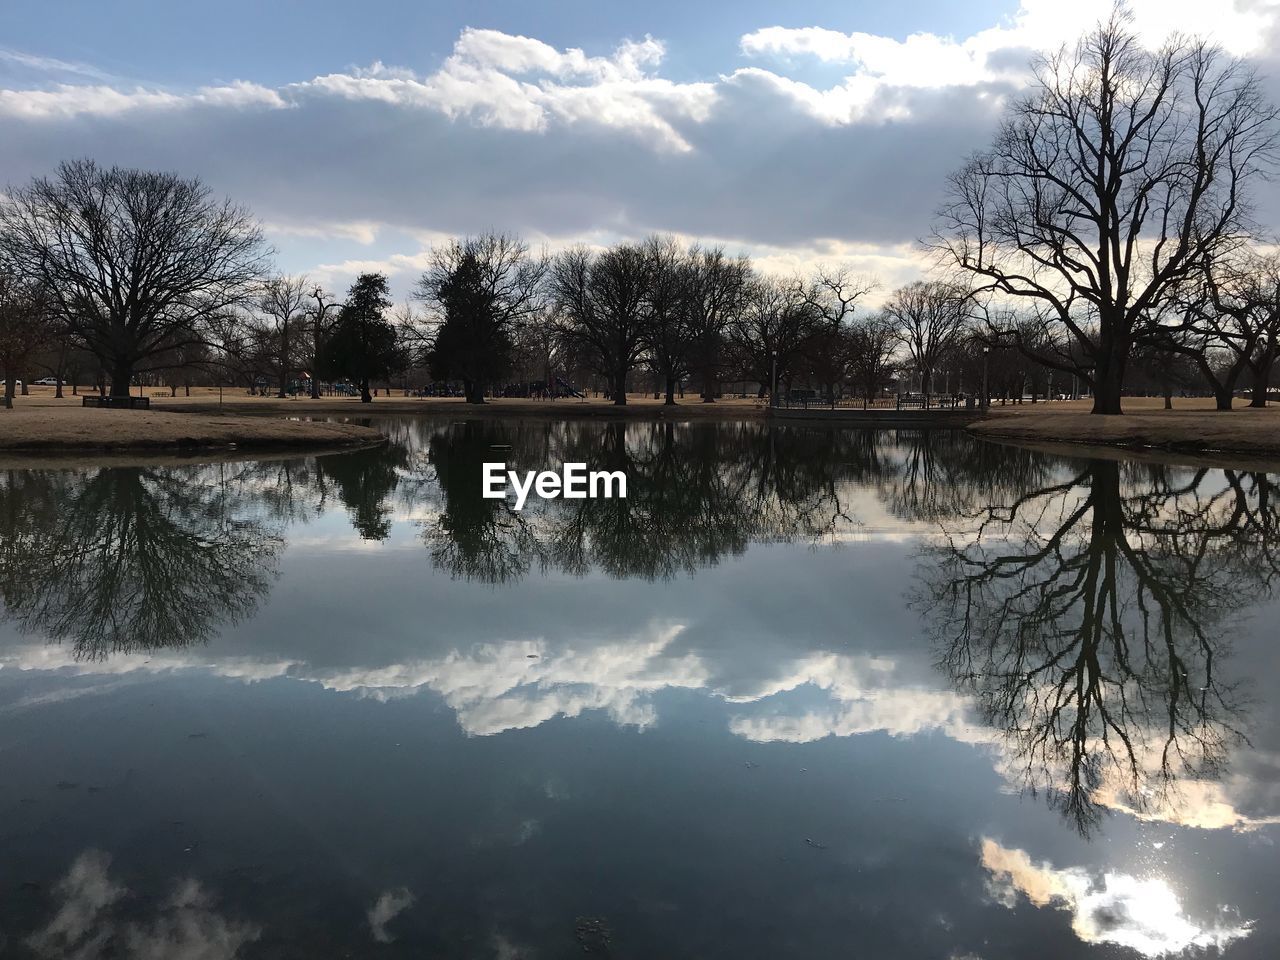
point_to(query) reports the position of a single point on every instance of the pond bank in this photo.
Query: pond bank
(64, 428)
(1192, 427)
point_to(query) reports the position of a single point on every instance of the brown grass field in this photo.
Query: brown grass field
(1192, 426)
(237, 401)
(40, 422)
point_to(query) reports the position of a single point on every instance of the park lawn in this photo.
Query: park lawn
(238, 401)
(63, 426)
(1193, 425)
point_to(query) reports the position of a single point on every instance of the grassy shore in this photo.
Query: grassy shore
(41, 422)
(1193, 426)
(205, 400)
(58, 427)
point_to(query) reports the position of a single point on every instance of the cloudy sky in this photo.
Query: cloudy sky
(360, 134)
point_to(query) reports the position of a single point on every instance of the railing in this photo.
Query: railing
(903, 401)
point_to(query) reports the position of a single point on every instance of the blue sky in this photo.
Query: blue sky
(362, 134)
(278, 41)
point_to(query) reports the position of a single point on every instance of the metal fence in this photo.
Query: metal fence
(903, 401)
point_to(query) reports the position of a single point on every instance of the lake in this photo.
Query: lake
(805, 692)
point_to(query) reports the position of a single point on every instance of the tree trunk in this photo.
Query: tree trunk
(10, 384)
(121, 375)
(671, 392)
(1261, 380)
(365, 396)
(1225, 394)
(620, 387)
(1108, 384)
(284, 360)
(57, 390)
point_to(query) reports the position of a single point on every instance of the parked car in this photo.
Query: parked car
(46, 382)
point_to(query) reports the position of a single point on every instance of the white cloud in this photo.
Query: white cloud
(71, 100)
(995, 55)
(519, 83)
(513, 133)
(50, 65)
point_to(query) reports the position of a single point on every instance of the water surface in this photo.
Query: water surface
(805, 692)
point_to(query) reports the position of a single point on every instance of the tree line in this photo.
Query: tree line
(1105, 238)
(119, 274)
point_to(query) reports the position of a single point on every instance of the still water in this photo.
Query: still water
(804, 693)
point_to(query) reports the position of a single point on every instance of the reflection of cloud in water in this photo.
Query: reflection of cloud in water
(1205, 804)
(85, 925)
(494, 687)
(1141, 913)
(519, 684)
(386, 908)
(865, 695)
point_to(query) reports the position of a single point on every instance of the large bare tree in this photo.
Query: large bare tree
(602, 308)
(667, 339)
(929, 318)
(1230, 323)
(26, 324)
(1111, 180)
(769, 336)
(133, 259)
(717, 292)
(282, 306)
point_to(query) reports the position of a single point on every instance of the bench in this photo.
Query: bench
(122, 403)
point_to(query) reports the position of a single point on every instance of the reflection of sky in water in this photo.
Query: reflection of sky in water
(758, 759)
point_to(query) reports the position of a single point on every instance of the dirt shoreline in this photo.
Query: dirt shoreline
(1192, 429)
(40, 424)
(635, 409)
(62, 430)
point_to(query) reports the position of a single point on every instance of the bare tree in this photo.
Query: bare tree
(282, 303)
(717, 290)
(834, 292)
(929, 317)
(601, 308)
(321, 325)
(26, 323)
(668, 339)
(131, 257)
(770, 334)
(873, 342)
(1111, 181)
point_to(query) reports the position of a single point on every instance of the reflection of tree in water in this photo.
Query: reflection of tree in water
(475, 538)
(124, 559)
(365, 480)
(299, 490)
(935, 474)
(1090, 616)
(695, 494)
